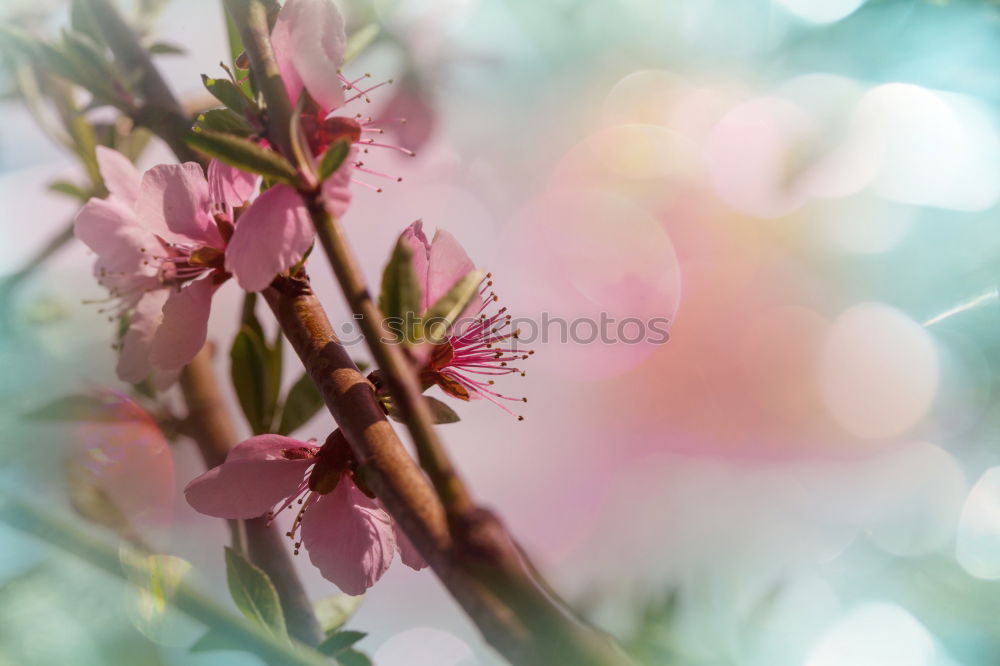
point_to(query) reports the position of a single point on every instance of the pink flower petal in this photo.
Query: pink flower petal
(313, 39)
(408, 553)
(120, 176)
(337, 188)
(174, 203)
(349, 538)
(281, 42)
(109, 228)
(255, 477)
(270, 237)
(448, 263)
(269, 447)
(133, 362)
(184, 328)
(230, 186)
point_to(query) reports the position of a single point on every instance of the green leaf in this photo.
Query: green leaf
(442, 314)
(301, 404)
(70, 190)
(155, 579)
(333, 612)
(235, 40)
(82, 20)
(339, 641)
(244, 155)
(250, 375)
(94, 71)
(214, 639)
(441, 412)
(353, 658)
(359, 40)
(332, 158)
(254, 594)
(400, 295)
(166, 48)
(75, 408)
(225, 121)
(226, 92)
(248, 314)
(273, 366)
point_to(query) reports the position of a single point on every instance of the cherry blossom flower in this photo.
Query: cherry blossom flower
(122, 458)
(309, 42)
(160, 240)
(348, 535)
(481, 345)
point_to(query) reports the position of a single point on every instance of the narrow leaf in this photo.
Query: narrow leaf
(442, 314)
(339, 642)
(353, 658)
(244, 155)
(400, 295)
(273, 362)
(441, 412)
(214, 639)
(69, 189)
(166, 48)
(359, 40)
(332, 612)
(254, 594)
(224, 121)
(332, 158)
(82, 20)
(248, 369)
(226, 92)
(76, 408)
(248, 314)
(302, 403)
(155, 579)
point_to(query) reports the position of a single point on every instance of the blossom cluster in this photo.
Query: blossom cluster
(168, 238)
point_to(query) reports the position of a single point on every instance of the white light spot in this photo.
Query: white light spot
(875, 634)
(879, 371)
(977, 545)
(941, 149)
(424, 646)
(821, 11)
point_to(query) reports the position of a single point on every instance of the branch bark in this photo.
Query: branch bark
(466, 545)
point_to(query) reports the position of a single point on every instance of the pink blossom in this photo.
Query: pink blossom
(121, 453)
(309, 42)
(348, 535)
(160, 239)
(481, 344)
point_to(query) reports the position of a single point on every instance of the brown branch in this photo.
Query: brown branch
(475, 557)
(468, 547)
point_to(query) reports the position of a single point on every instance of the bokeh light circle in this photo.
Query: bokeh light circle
(821, 11)
(875, 634)
(590, 257)
(879, 371)
(977, 543)
(424, 646)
